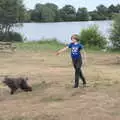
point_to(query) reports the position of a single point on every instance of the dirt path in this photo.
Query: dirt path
(53, 97)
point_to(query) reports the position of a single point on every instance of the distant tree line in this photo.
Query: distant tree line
(50, 12)
(13, 13)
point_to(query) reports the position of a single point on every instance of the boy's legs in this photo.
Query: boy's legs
(76, 73)
(82, 77)
(77, 63)
(80, 71)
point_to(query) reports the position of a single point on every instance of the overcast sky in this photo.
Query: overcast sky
(89, 4)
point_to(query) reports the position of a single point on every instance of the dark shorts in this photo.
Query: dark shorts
(77, 63)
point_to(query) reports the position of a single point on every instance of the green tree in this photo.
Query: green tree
(91, 37)
(118, 8)
(52, 6)
(115, 32)
(36, 13)
(82, 14)
(47, 15)
(68, 13)
(27, 16)
(94, 15)
(55, 11)
(44, 13)
(11, 12)
(102, 11)
(112, 9)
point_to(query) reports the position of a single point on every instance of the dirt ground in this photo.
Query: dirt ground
(52, 79)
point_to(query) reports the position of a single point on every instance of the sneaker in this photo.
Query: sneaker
(75, 86)
(84, 85)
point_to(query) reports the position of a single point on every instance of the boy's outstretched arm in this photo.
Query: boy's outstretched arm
(62, 50)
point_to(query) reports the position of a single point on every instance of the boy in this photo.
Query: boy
(76, 56)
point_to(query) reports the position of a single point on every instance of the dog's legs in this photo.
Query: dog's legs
(24, 86)
(12, 91)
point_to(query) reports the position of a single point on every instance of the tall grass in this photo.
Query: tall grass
(52, 45)
(115, 33)
(49, 44)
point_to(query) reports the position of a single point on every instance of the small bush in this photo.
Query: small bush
(15, 37)
(92, 38)
(11, 37)
(115, 32)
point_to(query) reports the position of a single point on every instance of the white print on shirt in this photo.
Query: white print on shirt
(74, 50)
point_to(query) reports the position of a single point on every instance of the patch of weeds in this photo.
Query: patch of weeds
(1, 118)
(115, 113)
(78, 93)
(96, 84)
(2, 99)
(52, 99)
(48, 117)
(116, 82)
(17, 118)
(68, 86)
(107, 84)
(42, 85)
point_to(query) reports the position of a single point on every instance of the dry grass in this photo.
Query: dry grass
(53, 97)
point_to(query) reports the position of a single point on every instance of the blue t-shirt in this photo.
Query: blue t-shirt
(75, 50)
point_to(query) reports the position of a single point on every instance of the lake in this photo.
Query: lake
(61, 30)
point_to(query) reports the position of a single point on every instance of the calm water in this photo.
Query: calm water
(62, 30)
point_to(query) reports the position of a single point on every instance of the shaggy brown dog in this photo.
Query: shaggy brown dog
(16, 83)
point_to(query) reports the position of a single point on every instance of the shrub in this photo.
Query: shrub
(91, 37)
(11, 37)
(115, 32)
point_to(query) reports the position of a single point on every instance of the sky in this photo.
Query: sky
(89, 4)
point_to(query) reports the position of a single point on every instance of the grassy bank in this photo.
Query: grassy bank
(54, 45)
(40, 45)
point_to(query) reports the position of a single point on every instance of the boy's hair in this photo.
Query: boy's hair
(75, 36)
